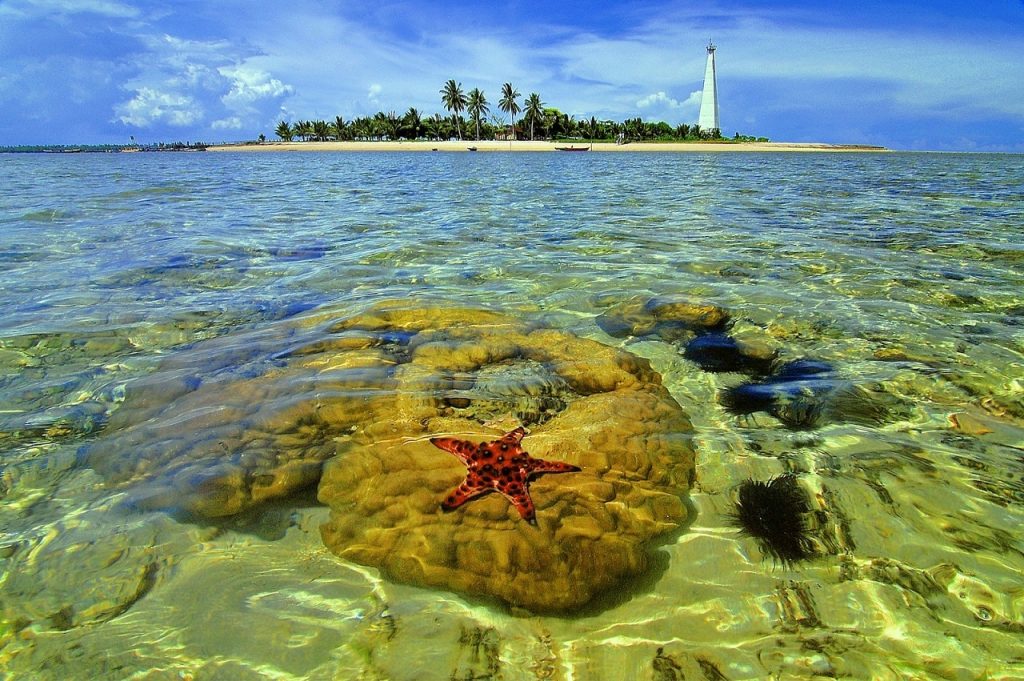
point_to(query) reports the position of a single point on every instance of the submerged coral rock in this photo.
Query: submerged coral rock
(668, 318)
(241, 419)
(594, 528)
(352, 404)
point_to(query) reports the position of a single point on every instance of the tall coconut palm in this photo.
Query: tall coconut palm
(534, 110)
(284, 131)
(439, 124)
(393, 125)
(360, 127)
(454, 100)
(476, 104)
(321, 130)
(414, 120)
(339, 128)
(509, 105)
(303, 129)
(380, 125)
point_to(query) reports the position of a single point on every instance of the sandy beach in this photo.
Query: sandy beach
(493, 145)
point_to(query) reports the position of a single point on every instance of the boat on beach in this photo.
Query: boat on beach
(572, 148)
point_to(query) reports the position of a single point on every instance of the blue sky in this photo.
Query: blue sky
(905, 74)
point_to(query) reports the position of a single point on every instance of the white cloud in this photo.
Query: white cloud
(150, 106)
(206, 83)
(105, 8)
(780, 65)
(232, 123)
(249, 85)
(660, 106)
(659, 99)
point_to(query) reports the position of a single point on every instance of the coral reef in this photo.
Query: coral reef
(352, 403)
(595, 527)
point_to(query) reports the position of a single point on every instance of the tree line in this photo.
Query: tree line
(538, 122)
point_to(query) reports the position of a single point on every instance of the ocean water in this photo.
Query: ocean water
(172, 327)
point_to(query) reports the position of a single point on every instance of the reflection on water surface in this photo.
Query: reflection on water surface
(193, 346)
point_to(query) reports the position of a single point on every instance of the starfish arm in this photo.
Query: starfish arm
(460, 448)
(540, 466)
(520, 498)
(515, 436)
(469, 489)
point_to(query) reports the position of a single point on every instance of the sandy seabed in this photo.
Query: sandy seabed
(494, 145)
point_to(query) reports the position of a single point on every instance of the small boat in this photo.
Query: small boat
(471, 148)
(572, 148)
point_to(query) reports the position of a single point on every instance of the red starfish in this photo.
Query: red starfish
(499, 465)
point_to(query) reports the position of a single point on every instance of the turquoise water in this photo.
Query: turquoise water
(902, 272)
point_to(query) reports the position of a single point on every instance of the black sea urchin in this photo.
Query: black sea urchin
(773, 513)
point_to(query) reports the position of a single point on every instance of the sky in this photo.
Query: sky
(905, 74)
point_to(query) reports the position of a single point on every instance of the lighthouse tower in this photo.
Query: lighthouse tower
(709, 99)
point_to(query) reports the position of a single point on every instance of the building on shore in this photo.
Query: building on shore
(708, 119)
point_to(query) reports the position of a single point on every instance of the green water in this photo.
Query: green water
(132, 283)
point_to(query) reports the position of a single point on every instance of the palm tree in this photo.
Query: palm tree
(360, 127)
(303, 129)
(339, 127)
(414, 120)
(477, 107)
(393, 125)
(439, 124)
(284, 131)
(321, 130)
(455, 101)
(534, 110)
(380, 125)
(509, 105)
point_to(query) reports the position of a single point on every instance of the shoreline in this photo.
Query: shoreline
(538, 146)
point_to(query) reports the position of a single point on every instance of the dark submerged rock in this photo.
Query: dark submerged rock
(794, 395)
(719, 353)
(803, 367)
(807, 393)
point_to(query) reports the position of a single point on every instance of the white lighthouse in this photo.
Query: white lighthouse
(708, 119)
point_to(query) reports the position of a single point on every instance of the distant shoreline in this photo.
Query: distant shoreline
(497, 146)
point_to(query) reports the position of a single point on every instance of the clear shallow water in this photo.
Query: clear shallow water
(904, 272)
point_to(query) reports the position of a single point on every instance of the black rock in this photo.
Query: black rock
(803, 367)
(718, 352)
(807, 394)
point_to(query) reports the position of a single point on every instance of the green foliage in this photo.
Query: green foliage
(284, 131)
(534, 110)
(476, 105)
(509, 103)
(454, 100)
(547, 122)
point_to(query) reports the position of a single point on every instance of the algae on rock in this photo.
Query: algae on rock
(352, 402)
(595, 527)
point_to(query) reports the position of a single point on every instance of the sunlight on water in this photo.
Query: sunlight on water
(220, 374)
